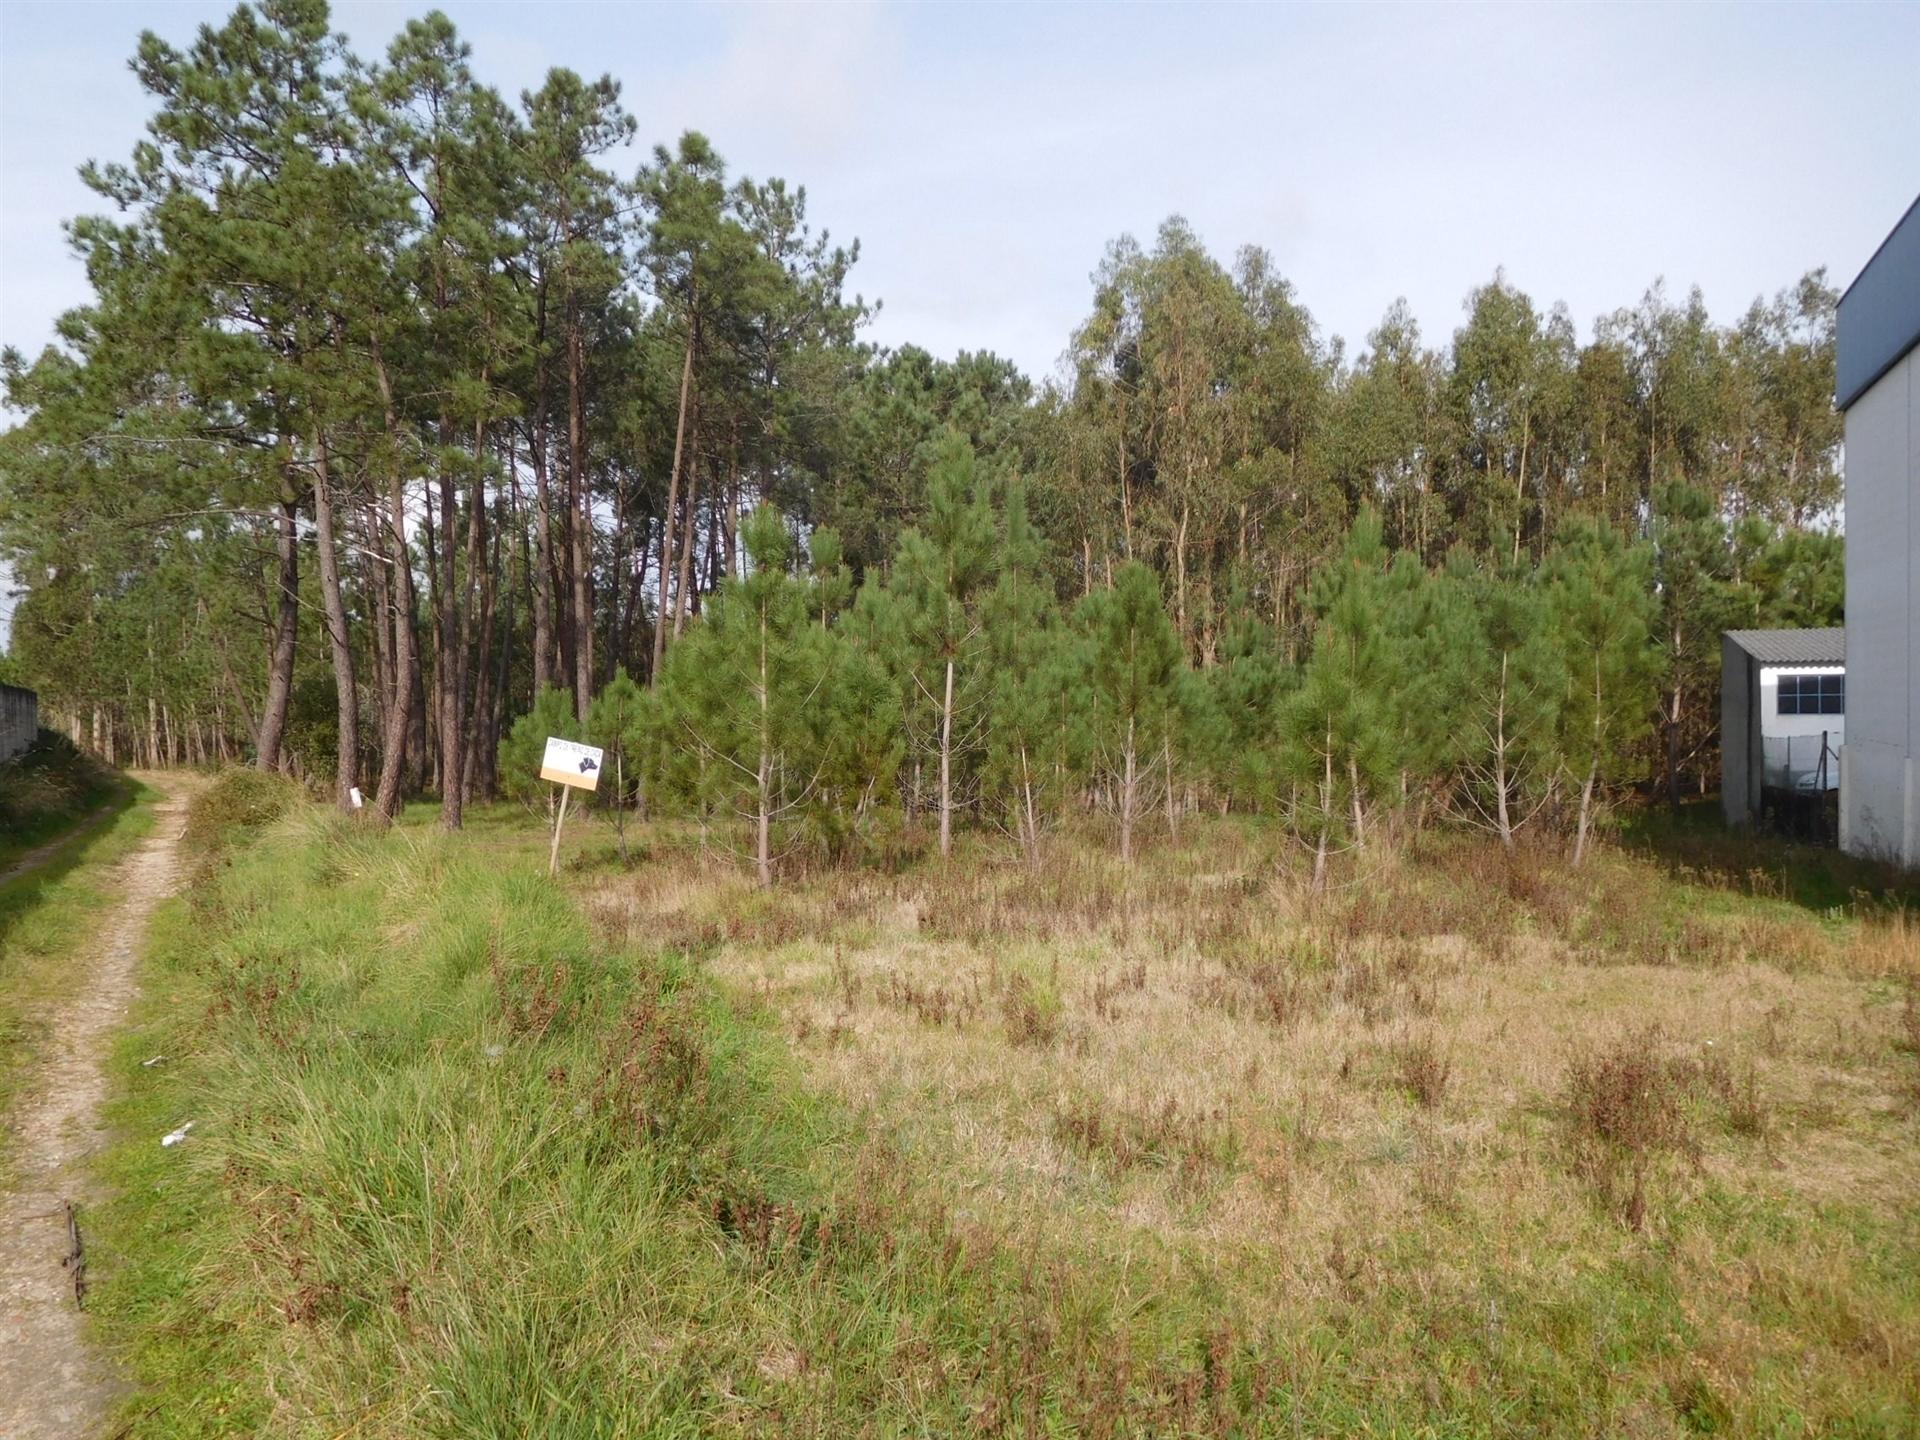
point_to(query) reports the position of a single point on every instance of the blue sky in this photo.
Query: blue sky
(984, 155)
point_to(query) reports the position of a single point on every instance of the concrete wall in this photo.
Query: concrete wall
(19, 720)
(1879, 810)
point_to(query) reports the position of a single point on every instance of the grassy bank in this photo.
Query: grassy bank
(47, 918)
(50, 789)
(1475, 1147)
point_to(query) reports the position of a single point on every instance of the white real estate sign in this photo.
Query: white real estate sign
(569, 763)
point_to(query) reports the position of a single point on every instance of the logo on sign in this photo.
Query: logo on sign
(567, 762)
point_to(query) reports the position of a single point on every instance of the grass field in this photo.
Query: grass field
(1470, 1145)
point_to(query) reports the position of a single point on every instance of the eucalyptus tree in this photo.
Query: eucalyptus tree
(1692, 568)
(1509, 387)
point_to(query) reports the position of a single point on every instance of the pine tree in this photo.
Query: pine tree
(612, 720)
(1134, 665)
(931, 615)
(522, 747)
(1351, 713)
(745, 688)
(1248, 685)
(1514, 683)
(1037, 693)
(1602, 610)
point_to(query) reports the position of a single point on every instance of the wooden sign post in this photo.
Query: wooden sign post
(572, 767)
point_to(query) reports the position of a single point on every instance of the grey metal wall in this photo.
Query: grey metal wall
(19, 720)
(1880, 786)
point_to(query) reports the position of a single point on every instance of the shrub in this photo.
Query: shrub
(1628, 1105)
(1424, 1070)
(1032, 1012)
(238, 800)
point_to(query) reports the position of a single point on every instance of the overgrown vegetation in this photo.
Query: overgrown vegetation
(49, 788)
(1181, 1148)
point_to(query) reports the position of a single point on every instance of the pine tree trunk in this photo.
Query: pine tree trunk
(393, 740)
(1128, 785)
(1030, 819)
(763, 849)
(946, 766)
(467, 664)
(446, 662)
(347, 763)
(1504, 820)
(1166, 759)
(537, 437)
(579, 493)
(480, 748)
(1593, 773)
(673, 499)
(1586, 811)
(273, 715)
(1326, 814)
(689, 526)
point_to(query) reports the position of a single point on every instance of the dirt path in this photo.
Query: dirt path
(50, 1383)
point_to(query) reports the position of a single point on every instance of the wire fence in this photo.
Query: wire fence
(1804, 764)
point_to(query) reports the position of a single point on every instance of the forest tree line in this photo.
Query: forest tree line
(402, 410)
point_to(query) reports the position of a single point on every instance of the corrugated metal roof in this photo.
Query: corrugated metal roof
(1793, 647)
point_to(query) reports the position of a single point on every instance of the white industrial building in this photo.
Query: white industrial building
(1877, 385)
(1783, 716)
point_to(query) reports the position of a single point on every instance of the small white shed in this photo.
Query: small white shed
(1783, 715)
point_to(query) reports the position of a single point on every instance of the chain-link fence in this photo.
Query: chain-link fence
(1803, 764)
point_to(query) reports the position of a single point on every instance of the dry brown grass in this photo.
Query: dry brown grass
(1453, 1076)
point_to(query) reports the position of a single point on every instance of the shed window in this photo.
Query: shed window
(1813, 695)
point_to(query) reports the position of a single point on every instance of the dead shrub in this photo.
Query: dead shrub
(1032, 1013)
(1109, 988)
(532, 997)
(1424, 1069)
(1629, 1112)
(654, 1070)
(1437, 1178)
(1272, 992)
(1189, 1142)
(932, 1005)
(1910, 1036)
